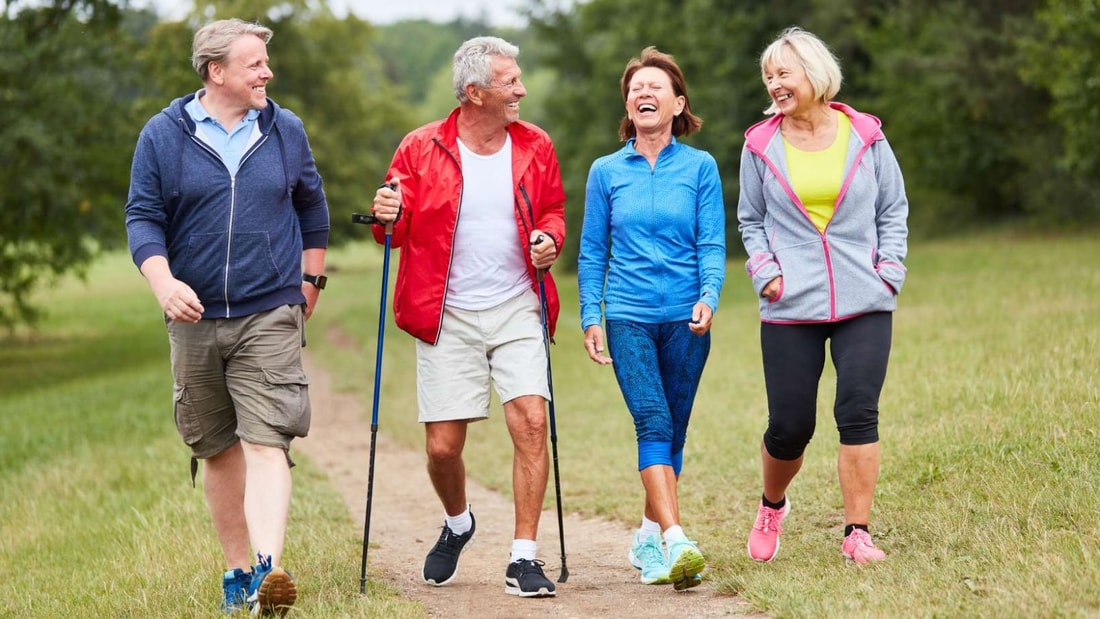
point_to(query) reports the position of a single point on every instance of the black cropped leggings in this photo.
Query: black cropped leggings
(794, 357)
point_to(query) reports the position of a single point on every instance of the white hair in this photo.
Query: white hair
(474, 62)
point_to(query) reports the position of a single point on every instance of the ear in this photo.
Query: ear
(680, 103)
(216, 72)
(474, 94)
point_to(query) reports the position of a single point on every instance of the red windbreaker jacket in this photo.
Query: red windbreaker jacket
(428, 165)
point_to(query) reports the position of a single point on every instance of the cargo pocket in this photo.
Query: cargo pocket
(288, 390)
(186, 424)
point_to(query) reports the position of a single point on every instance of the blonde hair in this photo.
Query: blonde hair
(213, 41)
(816, 59)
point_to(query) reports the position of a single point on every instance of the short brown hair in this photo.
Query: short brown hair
(686, 123)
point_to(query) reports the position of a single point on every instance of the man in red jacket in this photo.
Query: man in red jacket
(477, 206)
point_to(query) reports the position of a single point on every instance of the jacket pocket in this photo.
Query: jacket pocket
(254, 272)
(805, 291)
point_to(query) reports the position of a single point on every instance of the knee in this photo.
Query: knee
(857, 426)
(787, 442)
(653, 426)
(527, 423)
(442, 449)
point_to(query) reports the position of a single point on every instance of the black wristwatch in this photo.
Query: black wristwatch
(316, 280)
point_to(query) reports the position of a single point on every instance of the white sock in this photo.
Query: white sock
(523, 549)
(649, 527)
(674, 533)
(461, 523)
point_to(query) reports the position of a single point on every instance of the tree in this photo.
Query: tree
(1061, 57)
(79, 78)
(64, 130)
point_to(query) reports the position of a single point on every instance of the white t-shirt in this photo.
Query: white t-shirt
(487, 265)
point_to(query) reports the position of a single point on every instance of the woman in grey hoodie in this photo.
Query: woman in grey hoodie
(822, 213)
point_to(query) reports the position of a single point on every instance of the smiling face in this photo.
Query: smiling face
(788, 85)
(652, 102)
(242, 78)
(504, 91)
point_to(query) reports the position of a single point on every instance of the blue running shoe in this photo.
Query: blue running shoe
(236, 584)
(273, 591)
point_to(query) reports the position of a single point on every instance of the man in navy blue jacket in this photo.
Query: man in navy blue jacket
(228, 222)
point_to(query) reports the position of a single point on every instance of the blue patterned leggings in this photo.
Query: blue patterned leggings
(658, 367)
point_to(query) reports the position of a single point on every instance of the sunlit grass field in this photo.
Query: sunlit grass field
(989, 495)
(98, 517)
(987, 503)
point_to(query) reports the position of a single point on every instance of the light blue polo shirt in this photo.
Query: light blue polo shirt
(230, 146)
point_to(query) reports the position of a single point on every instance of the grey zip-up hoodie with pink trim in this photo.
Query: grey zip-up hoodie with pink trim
(856, 266)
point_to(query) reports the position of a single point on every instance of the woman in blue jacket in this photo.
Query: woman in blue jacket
(822, 214)
(652, 262)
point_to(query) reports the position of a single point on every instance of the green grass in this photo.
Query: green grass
(987, 504)
(98, 517)
(990, 487)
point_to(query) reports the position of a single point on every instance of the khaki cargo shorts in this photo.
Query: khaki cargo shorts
(240, 378)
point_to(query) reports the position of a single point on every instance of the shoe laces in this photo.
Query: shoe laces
(769, 519)
(263, 563)
(531, 566)
(648, 551)
(448, 541)
(861, 539)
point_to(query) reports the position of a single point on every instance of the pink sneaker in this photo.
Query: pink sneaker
(764, 537)
(858, 547)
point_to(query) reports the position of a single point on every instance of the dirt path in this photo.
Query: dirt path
(406, 518)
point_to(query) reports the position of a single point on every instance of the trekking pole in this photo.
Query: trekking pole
(540, 274)
(357, 218)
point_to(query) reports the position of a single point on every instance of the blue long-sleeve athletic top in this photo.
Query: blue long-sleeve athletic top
(653, 242)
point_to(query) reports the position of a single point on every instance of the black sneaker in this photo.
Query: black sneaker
(525, 579)
(441, 565)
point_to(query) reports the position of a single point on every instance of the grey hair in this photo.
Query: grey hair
(474, 62)
(212, 42)
(817, 60)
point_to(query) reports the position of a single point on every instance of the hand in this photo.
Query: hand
(593, 343)
(311, 293)
(700, 318)
(772, 288)
(178, 301)
(543, 249)
(387, 202)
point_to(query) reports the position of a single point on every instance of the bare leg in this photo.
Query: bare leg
(857, 468)
(661, 502)
(444, 442)
(223, 484)
(266, 497)
(777, 474)
(526, 418)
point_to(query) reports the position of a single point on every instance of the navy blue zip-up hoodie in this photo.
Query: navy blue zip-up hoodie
(236, 241)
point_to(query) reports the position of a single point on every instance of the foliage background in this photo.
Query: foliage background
(992, 106)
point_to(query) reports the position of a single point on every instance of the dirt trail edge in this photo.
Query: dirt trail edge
(406, 518)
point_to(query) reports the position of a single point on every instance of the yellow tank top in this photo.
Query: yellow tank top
(816, 175)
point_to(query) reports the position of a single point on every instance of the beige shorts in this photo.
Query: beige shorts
(502, 345)
(240, 378)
